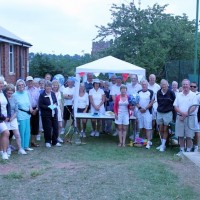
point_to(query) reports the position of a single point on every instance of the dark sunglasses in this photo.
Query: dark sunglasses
(193, 86)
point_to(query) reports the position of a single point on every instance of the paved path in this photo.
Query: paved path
(194, 157)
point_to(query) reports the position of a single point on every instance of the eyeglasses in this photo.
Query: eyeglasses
(193, 86)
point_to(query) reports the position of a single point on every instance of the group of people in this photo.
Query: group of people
(35, 105)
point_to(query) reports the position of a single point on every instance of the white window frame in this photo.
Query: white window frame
(11, 59)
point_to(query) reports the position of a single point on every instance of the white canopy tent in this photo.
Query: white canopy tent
(107, 64)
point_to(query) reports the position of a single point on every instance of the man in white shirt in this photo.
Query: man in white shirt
(68, 94)
(145, 111)
(132, 89)
(181, 104)
(113, 81)
(154, 87)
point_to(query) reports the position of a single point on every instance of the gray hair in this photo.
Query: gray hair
(56, 82)
(20, 81)
(48, 84)
(10, 87)
(164, 81)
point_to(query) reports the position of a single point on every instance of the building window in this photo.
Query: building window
(11, 59)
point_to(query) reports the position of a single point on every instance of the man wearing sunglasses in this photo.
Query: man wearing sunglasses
(194, 88)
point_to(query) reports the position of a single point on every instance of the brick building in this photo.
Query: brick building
(99, 46)
(13, 56)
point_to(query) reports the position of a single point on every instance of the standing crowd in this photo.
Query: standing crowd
(35, 106)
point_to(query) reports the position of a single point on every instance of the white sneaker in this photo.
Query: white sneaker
(180, 153)
(5, 156)
(60, 140)
(162, 149)
(115, 133)
(48, 145)
(148, 146)
(196, 148)
(22, 152)
(82, 134)
(158, 148)
(38, 137)
(93, 133)
(62, 131)
(29, 149)
(97, 134)
(9, 151)
(58, 144)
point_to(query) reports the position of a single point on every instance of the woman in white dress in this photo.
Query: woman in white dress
(121, 110)
(97, 99)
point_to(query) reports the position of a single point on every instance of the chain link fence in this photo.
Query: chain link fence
(178, 70)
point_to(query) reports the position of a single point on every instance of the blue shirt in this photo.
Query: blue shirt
(23, 102)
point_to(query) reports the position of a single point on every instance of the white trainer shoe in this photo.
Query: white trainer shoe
(48, 145)
(92, 133)
(5, 156)
(58, 144)
(9, 151)
(97, 134)
(28, 149)
(158, 148)
(162, 149)
(82, 134)
(22, 152)
(180, 153)
(148, 146)
(196, 148)
(60, 140)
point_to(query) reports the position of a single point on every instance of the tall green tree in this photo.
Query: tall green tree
(66, 65)
(148, 37)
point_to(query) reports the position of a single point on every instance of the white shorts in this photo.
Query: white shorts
(3, 127)
(123, 119)
(13, 125)
(145, 120)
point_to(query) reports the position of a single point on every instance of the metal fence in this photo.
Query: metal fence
(178, 70)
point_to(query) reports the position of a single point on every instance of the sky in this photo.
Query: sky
(68, 26)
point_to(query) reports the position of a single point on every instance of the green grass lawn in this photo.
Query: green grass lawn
(98, 170)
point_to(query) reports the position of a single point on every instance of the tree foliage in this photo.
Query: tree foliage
(148, 37)
(40, 64)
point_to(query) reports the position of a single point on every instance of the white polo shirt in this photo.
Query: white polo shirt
(145, 98)
(155, 87)
(115, 90)
(133, 89)
(68, 91)
(96, 95)
(183, 102)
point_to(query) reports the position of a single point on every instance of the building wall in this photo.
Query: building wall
(20, 62)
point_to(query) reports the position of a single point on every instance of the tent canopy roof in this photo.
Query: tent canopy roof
(110, 64)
